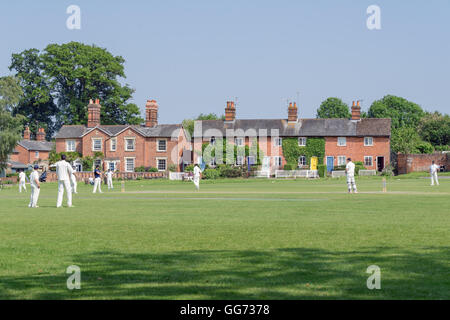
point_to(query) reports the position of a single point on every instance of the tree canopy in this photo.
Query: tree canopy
(333, 108)
(10, 126)
(435, 129)
(188, 124)
(403, 113)
(59, 81)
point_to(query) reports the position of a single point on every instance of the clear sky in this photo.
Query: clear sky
(192, 56)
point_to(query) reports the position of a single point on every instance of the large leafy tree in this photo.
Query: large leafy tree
(64, 77)
(37, 103)
(403, 113)
(333, 108)
(188, 124)
(10, 126)
(435, 128)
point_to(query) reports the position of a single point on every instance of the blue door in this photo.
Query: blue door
(330, 164)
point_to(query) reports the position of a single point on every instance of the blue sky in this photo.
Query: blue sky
(193, 56)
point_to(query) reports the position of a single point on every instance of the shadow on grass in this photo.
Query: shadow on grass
(293, 273)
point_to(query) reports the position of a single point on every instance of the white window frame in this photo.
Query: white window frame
(113, 140)
(278, 161)
(93, 144)
(113, 163)
(300, 165)
(239, 142)
(240, 160)
(251, 157)
(278, 142)
(68, 143)
(36, 154)
(157, 164)
(343, 162)
(97, 162)
(367, 144)
(126, 143)
(126, 163)
(157, 146)
(344, 144)
(303, 141)
(371, 161)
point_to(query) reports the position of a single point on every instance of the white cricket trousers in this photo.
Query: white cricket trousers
(434, 178)
(22, 185)
(73, 185)
(197, 182)
(64, 184)
(34, 196)
(110, 184)
(351, 183)
(97, 184)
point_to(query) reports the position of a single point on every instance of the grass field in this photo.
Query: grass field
(236, 239)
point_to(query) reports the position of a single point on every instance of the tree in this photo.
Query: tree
(10, 126)
(403, 113)
(10, 93)
(333, 108)
(70, 74)
(188, 124)
(407, 140)
(37, 103)
(435, 129)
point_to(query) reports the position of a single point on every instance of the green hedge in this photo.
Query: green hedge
(210, 174)
(322, 169)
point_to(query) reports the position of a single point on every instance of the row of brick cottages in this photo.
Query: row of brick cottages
(126, 147)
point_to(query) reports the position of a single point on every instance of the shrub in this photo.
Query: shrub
(172, 167)
(151, 169)
(289, 166)
(388, 171)
(189, 168)
(210, 174)
(359, 167)
(442, 148)
(322, 169)
(227, 171)
(425, 147)
(139, 169)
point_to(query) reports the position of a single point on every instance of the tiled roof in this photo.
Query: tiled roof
(301, 128)
(34, 145)
(161, 130)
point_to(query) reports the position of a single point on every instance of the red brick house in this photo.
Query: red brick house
(126, 147)
(30, 151)
(366, 140)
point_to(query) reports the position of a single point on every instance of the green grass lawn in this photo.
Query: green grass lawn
(236, 239)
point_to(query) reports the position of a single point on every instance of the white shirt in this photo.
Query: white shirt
(63, 170)
(22, 176)
(33, 177)
(350, 167)
(109, 175)
(197, 171)
(434, 168)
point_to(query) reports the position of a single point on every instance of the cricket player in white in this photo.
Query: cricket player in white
(109, 176)
(197, 176)
(434, 173)
(22, 177)
(350, 171)
(35, 187)
(63, 172)
(73, 182)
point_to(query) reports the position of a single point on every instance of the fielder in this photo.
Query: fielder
(197, 176)
(63, 172)
(434, 168)
(350, 171)
(97, 180)
(22, 177)
(109, 176)
(73, 182)
(35, 187)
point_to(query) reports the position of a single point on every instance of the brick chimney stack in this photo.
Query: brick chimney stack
(93, 113)
(151, 113)
(27, 133)
(40, 135)
(356, 111)
(292, 113)
(230, 111)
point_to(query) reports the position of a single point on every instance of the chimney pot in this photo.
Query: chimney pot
(151, 113)
(230, 111)
(356, 111)
(40, 135)
(93, 113)
(292, 113)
